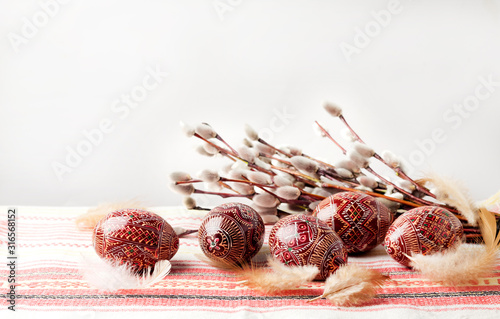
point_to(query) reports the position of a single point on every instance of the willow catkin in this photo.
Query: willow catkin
(259, 177)
(363, 149)
(262, 148)
(251, 133)
(209, 176)
(333, 109)
(304, 164)
(188, 130)
(367, 181)
(288, 192)
(205, 131)
(265, 200)
(349, 165)
(180, 176)
(344, 173)
(280, 180)
(183, 189)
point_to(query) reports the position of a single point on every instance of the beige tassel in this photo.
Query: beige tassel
(352, 285)
(88, 220)
(466, 262)
(453, 193)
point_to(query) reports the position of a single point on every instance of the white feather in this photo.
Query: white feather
(109, 276)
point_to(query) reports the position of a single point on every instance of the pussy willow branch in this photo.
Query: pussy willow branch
(369, 169)
(414, 198)
(229, 146)
(232, 155)
(306, 197)
(399, 172)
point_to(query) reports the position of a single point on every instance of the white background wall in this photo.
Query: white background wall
(231, 62)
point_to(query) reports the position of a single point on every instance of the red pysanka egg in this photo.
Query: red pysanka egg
(422, 230)
(231, 233)
(135, 237)
(299, 240)
(359, 219)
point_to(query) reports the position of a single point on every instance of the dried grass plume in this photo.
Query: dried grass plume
(352, 285)
(453, 193)
(280, 277)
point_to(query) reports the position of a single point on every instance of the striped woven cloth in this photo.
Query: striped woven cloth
(49, 249)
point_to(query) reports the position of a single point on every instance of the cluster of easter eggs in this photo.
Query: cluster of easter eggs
(233, 233)
(343, 224)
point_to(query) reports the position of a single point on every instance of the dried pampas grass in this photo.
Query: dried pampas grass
(453, 193)
(270, 280)
(110, 276)
(90, 219)
(280, 277)
(466, 262)
(352, 285)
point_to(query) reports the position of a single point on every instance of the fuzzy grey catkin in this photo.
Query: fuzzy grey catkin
(332, 109)
(205, 131)
(265, 200)
(259, 177)
(288, 192)
(364, 149)
(179, 176)
(183, 189)
(251, 133)
(209, 176)
(304, 164)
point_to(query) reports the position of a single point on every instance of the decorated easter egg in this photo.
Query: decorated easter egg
(422, 230)
(359, 219)
(135, 237)
(299, 240)
(231, 233)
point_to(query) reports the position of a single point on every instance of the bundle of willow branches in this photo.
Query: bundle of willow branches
(284, 180)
